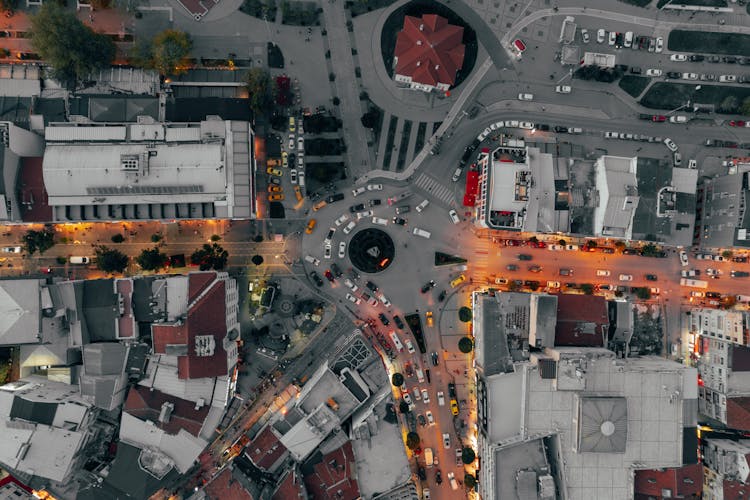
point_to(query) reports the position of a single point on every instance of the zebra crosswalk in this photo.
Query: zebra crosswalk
(435, 188)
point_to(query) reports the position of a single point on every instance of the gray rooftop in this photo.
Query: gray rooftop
(20, 314)
(722, 226)
(100, 308)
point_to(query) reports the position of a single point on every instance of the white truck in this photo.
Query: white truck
(693, 283)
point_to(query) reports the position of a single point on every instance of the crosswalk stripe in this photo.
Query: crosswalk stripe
(433, 186)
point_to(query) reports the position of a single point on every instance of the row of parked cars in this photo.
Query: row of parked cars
(711, 58)
(629, 40)
(527, 126)
(704, 77)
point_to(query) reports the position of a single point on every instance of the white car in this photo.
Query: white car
(441, 398)
(291, 142)
(612, 37)
(430, 417)
(626, 277)
(374, 187)
(611, 135)
(358, 191)
(422, 206)
(555, 247)
(329, 236)
(408, 401)
(525, 97)
(447, 440)
(293, 175)
(354, 299)
(417, 397)
(690, 76)
(349, 227)
(457, 174)
(12, 249)
(365, 214)
(385, 301)
(678, 119)
(350, 285)
(727, 78)
(683, 258)
(409, 346)
(342, 250)
(601, 35)
(585, 35)
(660, 47)
(379, 221)
(425, 396)
(300, 143)
(527, 125)
(563, 89)
(572, 247)
(670, 144)
(575, 130)
(312, 260)
(654, 72)
(495, 126)
(677, 57)
(602, 272)
(300, 160)
(717, 258)
(301, 175)
(327, 252)
(454, 216)
(341, 220)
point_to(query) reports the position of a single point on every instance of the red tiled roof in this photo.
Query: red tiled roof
(33, 195)
(291, 487)
(574, 314)
(225, 487)
(430, 55)
(334, 476)
(734, 490)
(205, 316)
(145, 404)
(10, 479)
(738, 413)
(265, 449)
(683, 482)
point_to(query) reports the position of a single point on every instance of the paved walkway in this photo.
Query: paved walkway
(347, 89)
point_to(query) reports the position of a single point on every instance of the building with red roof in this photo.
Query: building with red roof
(429, 53)
(582, 321)
(266, 451)
(291, 487)
(332, 475)
(169, 413)
(226, 487)
(193, 331)
(674, 482)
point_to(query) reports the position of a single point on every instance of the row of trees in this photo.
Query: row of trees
(74, 50)
(112, 260)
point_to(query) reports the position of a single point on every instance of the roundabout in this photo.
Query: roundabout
(371, 250)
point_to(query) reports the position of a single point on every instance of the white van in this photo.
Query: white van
(743, 298)
(452, 480)
(628, 39)
(379, 221)
(423, 205)
(312, 260)
(80, 260)
(428, 457)
(420, 375)
(396, 341)
(422, 233)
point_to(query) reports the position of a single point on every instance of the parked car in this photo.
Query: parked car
(678, 57)
(600, 35)
(525, 97)
(653, 72)
(670, 144)
(563, 89)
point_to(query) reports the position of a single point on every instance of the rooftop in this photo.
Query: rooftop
(680, 482)
(167, 412)
(332, 475)
(265, 449)
(429, 50)
(20, 311)
(723, 224)
(582, 320)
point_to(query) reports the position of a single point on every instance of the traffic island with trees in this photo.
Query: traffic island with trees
(110, 260)
(39, 241)
(167, 52)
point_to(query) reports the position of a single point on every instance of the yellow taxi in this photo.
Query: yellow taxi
(273, 162)
(274, 171)
(291, 124)
(310, 226)
(284, 159)
(458, 280)
(428, 315)
(275, 189)
(275, 197)
(454, 407)
(319, 205)
(298, 193)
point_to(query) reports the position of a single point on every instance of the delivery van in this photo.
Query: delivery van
(428, 457)
(80, 260)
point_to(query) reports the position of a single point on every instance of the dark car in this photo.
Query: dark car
(511, 267)
(745, 61)
(421, 472)
(372, 286)
(335, 197)
(423, 422)
(561, 129)
(730, 59)
(543, 127)
(452, 390)
(399, 221)
(427, 286)
(713, 59)
(398, 322)
(357, 207)
(630, 251)
(651, 277)
(674, 74)
(374, 203)
(739, 274)
(697, 58)
(739, 259)
(329, 275)
(524, 256)
(606, 250)
(435, 359)
(713, 295)
(533, 284)
(383, 319)
(442, 295)
(316, 278)
(636, 70)
(336, 270)
(644, 116)
(603, 287)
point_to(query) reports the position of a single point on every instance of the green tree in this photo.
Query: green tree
(215, 237)
(403, 407)
(110, 260)
(210, 256)
(467, 455)
(117, 238)
(412, 440)
(469, 480)
(69, 46)
(745, 108)
(562, 242)
(260, 90)
(587, 289)
(397, 379)
(643, 293)
(371, 118)
(8, 4)
(591, 244)
(620, 245)
(727, 254)
(167, 52)
(649, 250)
(156, 237)
(39, 241)
(533, 239)
(465, 345)
(730, 104)
(464, 314)
(257, 260)
(151, 259)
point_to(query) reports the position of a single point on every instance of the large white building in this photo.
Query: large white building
(147, 170)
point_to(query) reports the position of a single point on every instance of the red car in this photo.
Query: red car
(519, 45)
(541, 244)
(737, 123)
(658, 118)
(329, 276)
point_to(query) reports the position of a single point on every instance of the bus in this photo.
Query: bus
(693, 283)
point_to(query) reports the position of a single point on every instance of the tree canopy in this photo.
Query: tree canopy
(110, 260)
(465, 345)
(412, 440)
(464, 314)
(260, 91)
(210, 256)
(467, 455)
(39, 241)
(397, 379)
(166, 52)
(152, 259)
(69, 46)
